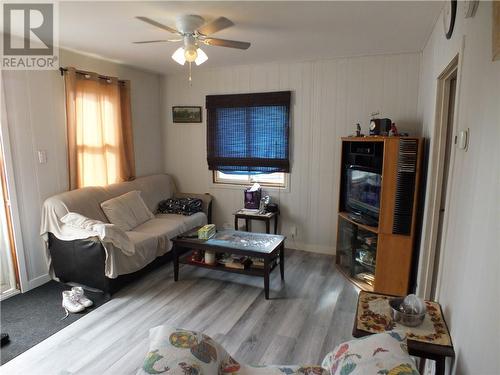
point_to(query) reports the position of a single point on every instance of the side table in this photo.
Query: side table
(249, 215)
(430, 340)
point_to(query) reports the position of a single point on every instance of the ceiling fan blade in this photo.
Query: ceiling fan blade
(226, 43)
(157, 24)
(218, 24)
(150, 41)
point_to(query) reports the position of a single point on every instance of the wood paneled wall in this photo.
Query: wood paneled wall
(329, 98)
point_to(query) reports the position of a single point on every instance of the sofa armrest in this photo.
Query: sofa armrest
(207, 202)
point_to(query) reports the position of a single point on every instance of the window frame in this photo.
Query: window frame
(218, 182)
(265, 99)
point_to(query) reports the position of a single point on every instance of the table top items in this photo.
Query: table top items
(374, 315)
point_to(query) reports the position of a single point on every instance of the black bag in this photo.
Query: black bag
(181, 206)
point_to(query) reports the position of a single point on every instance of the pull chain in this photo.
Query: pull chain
(190, 79)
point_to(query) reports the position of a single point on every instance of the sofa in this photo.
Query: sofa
(174, 351)
(100, 255)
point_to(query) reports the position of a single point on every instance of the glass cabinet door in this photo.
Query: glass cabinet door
(365, 250)
(345, 254)
(356, 252)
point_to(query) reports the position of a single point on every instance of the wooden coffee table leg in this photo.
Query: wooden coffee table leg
(282, 262)
(176, 263)
(266, 277)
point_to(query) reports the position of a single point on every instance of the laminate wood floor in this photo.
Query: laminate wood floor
(306, 317)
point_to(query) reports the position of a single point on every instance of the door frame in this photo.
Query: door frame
(11, 191)
(428, 246)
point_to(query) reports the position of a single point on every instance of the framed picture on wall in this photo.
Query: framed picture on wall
(186, 114)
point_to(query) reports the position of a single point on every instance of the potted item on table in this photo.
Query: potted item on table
(409, 311)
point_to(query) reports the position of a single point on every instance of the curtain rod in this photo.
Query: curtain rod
(82, 72)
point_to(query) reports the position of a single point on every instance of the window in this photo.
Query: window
(248, 137)
(100, 142)
(276, 179)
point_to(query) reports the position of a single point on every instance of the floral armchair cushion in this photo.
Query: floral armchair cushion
(179, 352)
(182, 352)
(278, 370)
(380, 354)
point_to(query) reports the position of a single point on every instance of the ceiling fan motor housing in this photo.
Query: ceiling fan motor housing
(189, 23)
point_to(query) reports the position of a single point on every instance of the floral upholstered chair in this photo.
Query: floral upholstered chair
(182, 352)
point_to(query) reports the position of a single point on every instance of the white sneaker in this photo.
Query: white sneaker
(80, 296)
(70, 303)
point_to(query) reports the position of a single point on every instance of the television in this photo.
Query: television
(362, 197)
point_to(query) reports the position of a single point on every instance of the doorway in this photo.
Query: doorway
(9, 278)
(450, 117)
(440, 173)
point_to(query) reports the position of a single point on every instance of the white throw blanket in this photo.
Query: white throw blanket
(107, 233)
(73, 226)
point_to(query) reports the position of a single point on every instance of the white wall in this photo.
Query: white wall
(36, 121)
(469, 284)
(329, 98)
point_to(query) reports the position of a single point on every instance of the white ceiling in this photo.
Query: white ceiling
(278, 31)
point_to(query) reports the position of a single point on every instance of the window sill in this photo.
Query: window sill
(219, 185)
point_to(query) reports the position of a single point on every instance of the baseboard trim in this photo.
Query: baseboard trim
(37, 281)
(320, 249)
(9, 293)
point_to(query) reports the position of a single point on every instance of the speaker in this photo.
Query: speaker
(380, 126)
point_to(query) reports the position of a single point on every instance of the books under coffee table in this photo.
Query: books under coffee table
(235, 252)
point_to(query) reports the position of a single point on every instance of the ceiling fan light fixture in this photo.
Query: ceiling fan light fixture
(190, 54)
(178, 56)
(201, 58)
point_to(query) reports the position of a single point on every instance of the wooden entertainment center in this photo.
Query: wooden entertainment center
(379, 190)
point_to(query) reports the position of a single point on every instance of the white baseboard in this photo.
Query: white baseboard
(37, 281)
(320, 249)
(9, 293)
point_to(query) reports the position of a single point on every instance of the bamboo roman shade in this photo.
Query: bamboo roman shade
(248, 133)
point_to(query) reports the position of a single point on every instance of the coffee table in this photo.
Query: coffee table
(269, 247)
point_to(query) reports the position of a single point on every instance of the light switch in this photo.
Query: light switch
(42, 156)
(463, 139)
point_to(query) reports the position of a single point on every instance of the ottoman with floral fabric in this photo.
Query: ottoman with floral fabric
(175, 351)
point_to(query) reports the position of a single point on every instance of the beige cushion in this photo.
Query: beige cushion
(127, 211)
(146, 250)
(166, 226)
(143, 241)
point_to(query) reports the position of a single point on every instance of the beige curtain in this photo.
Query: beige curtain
(100, 138)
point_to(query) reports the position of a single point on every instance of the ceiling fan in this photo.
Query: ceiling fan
(193, 31)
